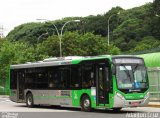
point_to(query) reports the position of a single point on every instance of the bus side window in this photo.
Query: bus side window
(41, 78)
(75, 76)
(51, 79)
(30, 78)
(88, 75)
(57, 79)
(54, 78)
(64, 77)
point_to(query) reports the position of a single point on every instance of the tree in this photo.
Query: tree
(148, 42)
(113, 50)
(156, 8)
(131, 29)
(27, 32)
(13, 53)
(6, 56)
(74, 43)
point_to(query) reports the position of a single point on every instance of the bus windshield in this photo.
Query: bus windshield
(131, 77)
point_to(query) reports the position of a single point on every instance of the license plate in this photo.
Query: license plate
(135, 103)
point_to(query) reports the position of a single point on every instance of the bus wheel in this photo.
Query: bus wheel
(86, 104)
(29, 100)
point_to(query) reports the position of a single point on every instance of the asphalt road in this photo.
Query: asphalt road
(9, 109)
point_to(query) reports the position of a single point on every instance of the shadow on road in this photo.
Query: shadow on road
(108, 111)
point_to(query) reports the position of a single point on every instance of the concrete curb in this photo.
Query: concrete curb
(154, 104)
(4, 96)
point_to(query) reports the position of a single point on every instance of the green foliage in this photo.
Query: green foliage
(74, 43)
(147, 42)
(13, 53)
(27, 32)
(156, 8)
(113, 50)
(48, 47)
(154, 19)
(90, 44)
(5, 59)
(23, 52)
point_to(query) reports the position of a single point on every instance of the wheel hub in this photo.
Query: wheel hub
(86, 103)
(29, 101)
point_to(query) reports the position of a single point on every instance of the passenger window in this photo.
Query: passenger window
(54, 78)
(75, 76)
(88, 75)
(42, 79)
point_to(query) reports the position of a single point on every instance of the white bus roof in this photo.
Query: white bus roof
(53, 62)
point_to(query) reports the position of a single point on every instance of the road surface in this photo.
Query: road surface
(9, 109)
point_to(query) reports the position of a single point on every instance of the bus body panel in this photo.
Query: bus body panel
(13, 95)
(77, 94)
(51, 97)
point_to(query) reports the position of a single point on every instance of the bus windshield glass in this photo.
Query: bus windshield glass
(131, 76)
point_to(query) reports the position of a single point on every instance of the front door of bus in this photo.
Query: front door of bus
(102, 94)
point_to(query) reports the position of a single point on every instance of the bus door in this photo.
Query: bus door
(102, 80)
(20, 85)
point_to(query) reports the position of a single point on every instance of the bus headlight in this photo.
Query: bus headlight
(120, 96)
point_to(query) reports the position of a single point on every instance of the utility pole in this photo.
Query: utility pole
(109, 27)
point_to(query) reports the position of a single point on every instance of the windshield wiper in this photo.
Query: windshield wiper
(135, 68)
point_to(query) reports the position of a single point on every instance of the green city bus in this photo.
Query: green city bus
(91, 82)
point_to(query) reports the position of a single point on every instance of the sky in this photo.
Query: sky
(17, 12)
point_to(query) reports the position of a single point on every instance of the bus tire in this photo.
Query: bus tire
(29, 100)
(86, 104)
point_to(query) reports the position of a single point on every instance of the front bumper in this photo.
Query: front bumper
(121, 102)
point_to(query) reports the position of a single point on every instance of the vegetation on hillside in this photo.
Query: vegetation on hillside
(129, 30)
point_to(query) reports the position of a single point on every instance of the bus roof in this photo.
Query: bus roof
(65, 61)
(58, 61)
